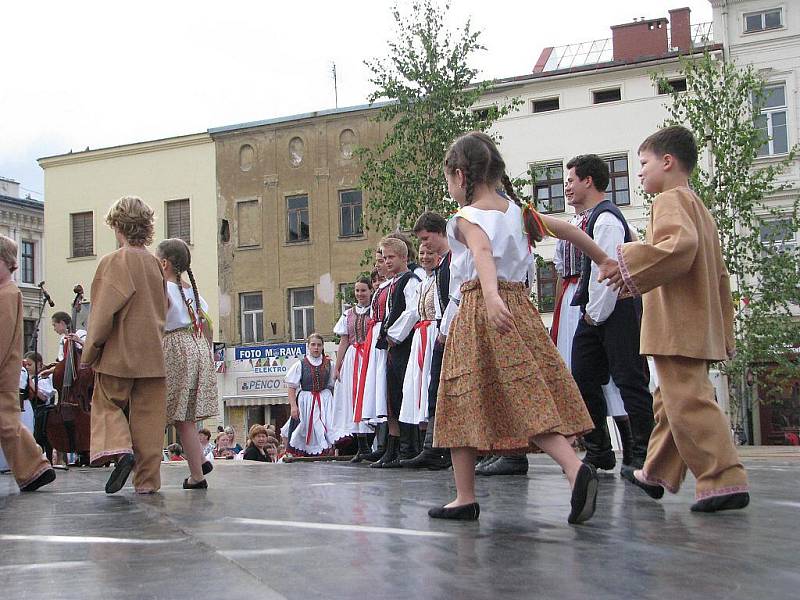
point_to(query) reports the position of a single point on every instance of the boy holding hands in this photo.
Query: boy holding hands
(682, 277)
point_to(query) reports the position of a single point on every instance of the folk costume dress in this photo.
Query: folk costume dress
(497, 391)
(313, 380)
(354, 323)
(414, 409)
(371, 393)
(191, 381)
(567, 262)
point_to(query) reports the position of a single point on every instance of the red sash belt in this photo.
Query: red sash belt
(362, 379)
(557, 312)
(360, 349)
(316, 400)
(422, 326)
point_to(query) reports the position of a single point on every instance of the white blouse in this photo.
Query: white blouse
(177, 313)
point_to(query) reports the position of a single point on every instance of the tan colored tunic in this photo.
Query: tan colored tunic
(129, 307)
(11, 335)
(679, 270)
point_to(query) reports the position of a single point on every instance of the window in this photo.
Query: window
(762, 21)
(28, 327)
(346, 297)
(549, 188)
(601, 96)
(297, 212)
(672, 85)
(350, 212)
(26, 269)
(301, 317)
(82, 234)
(485, 114)
(546, 287)
(618, 190)
(178, 220)
(252, 310)
(777, 232)
(772, 121)
(248, 224)
(545, 105)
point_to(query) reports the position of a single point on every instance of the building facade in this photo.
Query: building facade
(291, 238)
(22, 219)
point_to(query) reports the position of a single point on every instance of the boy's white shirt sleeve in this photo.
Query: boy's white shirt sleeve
(404, 325)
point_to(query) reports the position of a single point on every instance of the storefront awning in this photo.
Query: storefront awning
(254, 400)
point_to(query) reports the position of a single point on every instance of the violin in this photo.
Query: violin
(69, 423)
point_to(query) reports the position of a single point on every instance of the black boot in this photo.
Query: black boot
(363, 448)
(623, 424)
(599, 452)
(516, 464)
(390, 458)
(430, 457)
(408, 441)
(380, 434)
(640, 428)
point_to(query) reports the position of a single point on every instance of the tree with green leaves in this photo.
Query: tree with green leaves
(431, 93)
(722, 106)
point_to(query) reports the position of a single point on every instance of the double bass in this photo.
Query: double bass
(69, 422)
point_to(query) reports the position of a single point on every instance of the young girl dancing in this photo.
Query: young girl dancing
(310, 383)
(191, 383)
(352, 329)
(503, 383)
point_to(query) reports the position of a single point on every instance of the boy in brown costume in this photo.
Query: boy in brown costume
(681, 275)
(24, 456)
(129, 306)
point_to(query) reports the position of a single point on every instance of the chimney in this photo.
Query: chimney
(640, 39)
(9, 187)
(543, 58)
(680, 29)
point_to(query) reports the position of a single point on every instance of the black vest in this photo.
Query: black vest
(315, 378)
(441, 275)
(581, 297)
(396, 305)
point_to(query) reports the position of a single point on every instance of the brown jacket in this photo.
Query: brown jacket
(679, 270)
(129, 308)
(11, 337)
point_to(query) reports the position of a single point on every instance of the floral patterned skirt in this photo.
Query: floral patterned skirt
(191, 381)
(497, 391)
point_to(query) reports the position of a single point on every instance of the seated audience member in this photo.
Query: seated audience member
(234, 445)
(222, 448)
(257, 446)
(175, 452)
(206, 445)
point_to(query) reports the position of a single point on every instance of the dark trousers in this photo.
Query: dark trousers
(396, 364)
(436, 373)
(40, 430)
(612, 349)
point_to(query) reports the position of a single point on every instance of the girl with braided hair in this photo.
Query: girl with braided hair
(504, 388)
(191, 383)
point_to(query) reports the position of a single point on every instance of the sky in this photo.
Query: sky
(95, 74)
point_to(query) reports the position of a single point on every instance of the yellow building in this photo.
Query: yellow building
(175, 176)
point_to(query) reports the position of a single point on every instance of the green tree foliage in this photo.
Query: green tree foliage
(431, 92)
(721, 107)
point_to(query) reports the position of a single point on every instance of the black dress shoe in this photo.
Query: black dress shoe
(465, 512)
(200, 485)
(427, 459)
(654, 491)
(584, 495)
(48, 476)
(207, 467)
(603, 463)
(120, 474)
(727, 502)
(506, 465)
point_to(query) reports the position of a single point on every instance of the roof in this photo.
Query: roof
(298, 117)
(22, 202)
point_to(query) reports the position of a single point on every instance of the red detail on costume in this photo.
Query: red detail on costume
(557, 313)
(423, 347)
(316, 400)
(363, 375)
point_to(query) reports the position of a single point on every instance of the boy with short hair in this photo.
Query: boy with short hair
(24, 456)
(682, 277)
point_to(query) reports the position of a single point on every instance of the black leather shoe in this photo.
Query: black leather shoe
(506, 465)
(602, 462)
(200, 485)
(466, 512)
(485, 462)
(654, 491)
(584, 495)
(207, 467)
(48, 476)
(427, 459)
(727, 502)
(119, 475)
(390, 458)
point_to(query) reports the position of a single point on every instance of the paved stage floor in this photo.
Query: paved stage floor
(335, 530)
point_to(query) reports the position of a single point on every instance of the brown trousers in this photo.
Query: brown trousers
(23, 454)
(141, 433)
(691, 432)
